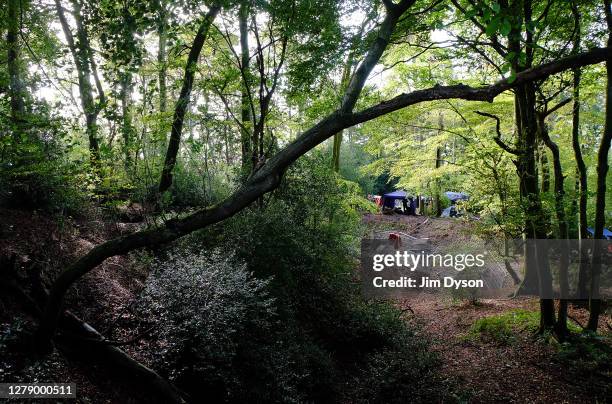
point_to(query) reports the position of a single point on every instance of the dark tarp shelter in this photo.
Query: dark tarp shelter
(388, 201)
(390, 198)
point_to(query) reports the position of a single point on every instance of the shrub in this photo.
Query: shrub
(589, 354)
(35, 171)
(207, 308)
(315, 338)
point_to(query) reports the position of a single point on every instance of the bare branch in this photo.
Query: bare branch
(498, 138)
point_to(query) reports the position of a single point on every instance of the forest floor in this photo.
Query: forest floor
(525, 369)
(488, 371)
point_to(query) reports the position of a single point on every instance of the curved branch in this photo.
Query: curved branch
(268, 177)
(358, 79)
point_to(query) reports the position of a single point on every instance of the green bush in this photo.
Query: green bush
(35, 171)
(327, 340)
(204, 305)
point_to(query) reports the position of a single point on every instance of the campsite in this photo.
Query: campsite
(306, 201)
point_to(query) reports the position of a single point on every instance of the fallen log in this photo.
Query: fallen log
(79, 338)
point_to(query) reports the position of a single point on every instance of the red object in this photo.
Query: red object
(397, 238)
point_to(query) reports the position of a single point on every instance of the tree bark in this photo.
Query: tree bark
(581, 169)
(346, 76)
(80, 338)
(268, 177)
(184, 97)
(545, 171)
(526, 120)
(162, 32)
(127, 130)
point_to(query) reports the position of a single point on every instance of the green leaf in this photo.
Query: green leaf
(505, 27)
(492, 27)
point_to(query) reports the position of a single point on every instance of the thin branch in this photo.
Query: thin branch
(498, 138)
(556, 107)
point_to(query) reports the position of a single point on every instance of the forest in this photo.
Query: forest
(195, 197)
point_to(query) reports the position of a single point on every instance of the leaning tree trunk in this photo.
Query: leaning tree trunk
(184, 97)
(602, 172)
(84, 341)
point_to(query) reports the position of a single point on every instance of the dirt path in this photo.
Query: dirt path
(525, 370)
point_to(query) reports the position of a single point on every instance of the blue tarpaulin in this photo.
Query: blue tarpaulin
(457, 196)
(606, 233)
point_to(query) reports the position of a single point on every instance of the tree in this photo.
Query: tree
(183, 101)
(561, 325)
(16, 88)
(268, 176)
(602, 172)
(85, 65)
(580, 165)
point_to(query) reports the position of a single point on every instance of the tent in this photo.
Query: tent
(606, 233)
(390, 198)
(457, 196)
(408, 203)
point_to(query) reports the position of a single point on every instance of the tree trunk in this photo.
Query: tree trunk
(183, 100)
(535, 221)
(602, 172)
(580, 165)
(83, 340)
(81, 54)
(162, 32)
(545, 171)
(346, 75)
(16, 88)
(245, 98)
(127, 130)
(561, 326)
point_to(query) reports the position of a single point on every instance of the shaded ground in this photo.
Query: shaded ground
(488, 371)
(525, 371)
(528, 370)
(36, 247)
